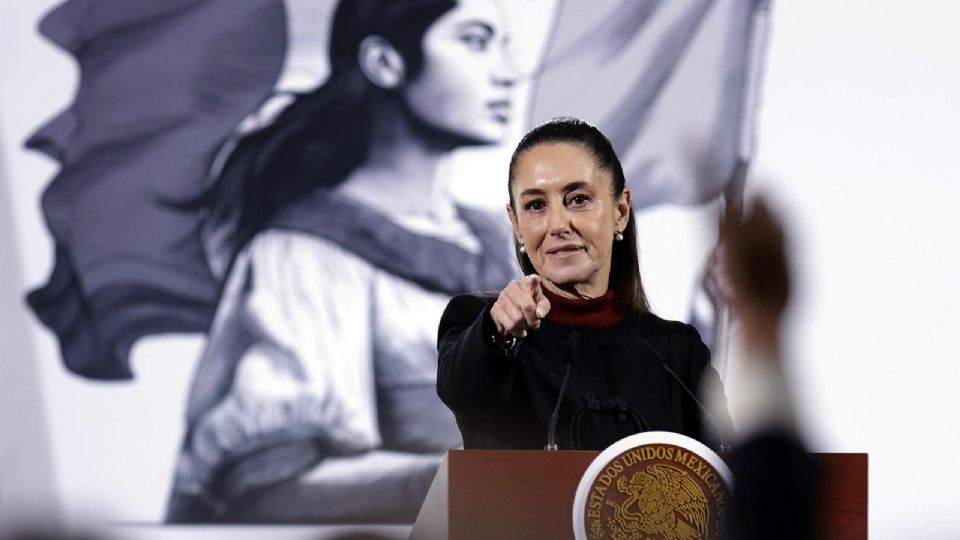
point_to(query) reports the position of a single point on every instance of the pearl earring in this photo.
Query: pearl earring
(618, 236)
(523, 248)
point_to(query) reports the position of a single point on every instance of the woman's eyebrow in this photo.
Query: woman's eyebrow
(567, 188)
(572, 186)
(474, 24)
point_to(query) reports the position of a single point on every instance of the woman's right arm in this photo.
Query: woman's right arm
(288, 362)
(476, 366)
(474, 375)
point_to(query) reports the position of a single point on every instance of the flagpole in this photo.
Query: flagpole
(746, 147)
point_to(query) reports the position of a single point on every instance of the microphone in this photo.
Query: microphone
(596, 406)
(574, 337)
(724, 446)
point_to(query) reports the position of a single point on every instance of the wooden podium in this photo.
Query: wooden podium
(528, 494)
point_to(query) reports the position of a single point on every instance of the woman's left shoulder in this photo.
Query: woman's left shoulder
(654, 326)
(679, 343)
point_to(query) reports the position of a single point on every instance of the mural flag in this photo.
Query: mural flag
(670, 83)
(162, 85)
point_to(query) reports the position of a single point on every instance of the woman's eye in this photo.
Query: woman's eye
(534, 205)
(475, 41)
(578, 200)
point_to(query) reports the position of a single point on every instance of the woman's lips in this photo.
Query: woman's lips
(565, 251)
(500, 110)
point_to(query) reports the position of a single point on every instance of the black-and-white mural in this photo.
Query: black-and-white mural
(306, 183)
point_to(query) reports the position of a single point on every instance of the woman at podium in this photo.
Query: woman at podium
(570, 356)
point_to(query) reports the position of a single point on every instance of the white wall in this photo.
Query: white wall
(858, 138)
(858, 126)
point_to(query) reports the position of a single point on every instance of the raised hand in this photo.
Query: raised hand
(520, 306)
(755, 260)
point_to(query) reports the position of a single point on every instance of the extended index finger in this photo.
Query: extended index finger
(531, 283)
(539, 299)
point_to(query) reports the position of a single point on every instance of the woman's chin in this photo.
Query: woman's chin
(485, 135)
(565, 280)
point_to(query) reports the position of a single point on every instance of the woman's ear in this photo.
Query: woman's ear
(513, 221)
(623, 209)
(381, 62)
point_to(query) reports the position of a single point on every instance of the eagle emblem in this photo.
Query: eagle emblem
(662, 502)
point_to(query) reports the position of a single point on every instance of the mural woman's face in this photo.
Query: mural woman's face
(464, 86)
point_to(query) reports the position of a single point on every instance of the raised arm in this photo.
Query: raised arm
(474, 374)
(477, 342)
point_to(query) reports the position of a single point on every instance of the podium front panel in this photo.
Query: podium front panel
(516, 494)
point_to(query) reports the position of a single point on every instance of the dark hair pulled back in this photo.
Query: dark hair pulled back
(322, 136)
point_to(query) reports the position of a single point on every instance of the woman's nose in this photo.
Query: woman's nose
(503, 72)
(503, 76)
(558, 220)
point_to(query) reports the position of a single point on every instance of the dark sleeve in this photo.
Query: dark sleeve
(776, 492)
(705, 379)
(474, 376)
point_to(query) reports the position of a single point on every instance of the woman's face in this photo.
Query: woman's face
(463, 87)
(566, 216)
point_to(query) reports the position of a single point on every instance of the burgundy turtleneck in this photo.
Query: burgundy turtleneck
(600, 312)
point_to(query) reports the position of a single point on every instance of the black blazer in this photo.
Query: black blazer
(505, 399)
